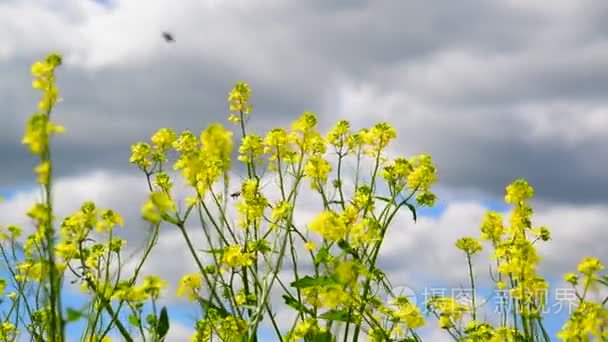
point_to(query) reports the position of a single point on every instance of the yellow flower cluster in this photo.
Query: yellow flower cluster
(277, 145)
(224, 327)
(76, 228)
(159, 203)
(8, 332)
(407, 313)
(468, 245)
(327, 296)
(590, 319)
(329, 226)
(378, 137)
(234, 256)
(587, 323)
(150, 288)
(449, 310)
(251, 149)
(39, 128)
(11, 232)
(239, 102)
(484, 332)
(189, 285)
(304, 329)
(252, 206)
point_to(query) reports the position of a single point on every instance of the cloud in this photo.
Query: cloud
(493, 91)
(513, 89)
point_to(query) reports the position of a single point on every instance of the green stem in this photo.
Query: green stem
(472, 280)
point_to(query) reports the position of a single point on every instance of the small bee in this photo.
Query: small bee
(235, 194)
(168, 37)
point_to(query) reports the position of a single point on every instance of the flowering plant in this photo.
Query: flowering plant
(258, 247)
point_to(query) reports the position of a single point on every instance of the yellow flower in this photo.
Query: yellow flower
(109, 219)
(408, 313)
(424, 173)
(153, 285)
(159, 203)
(240, 298)
(587, 323)
(239, 99)
(317, 169)
(186, 142)
(339, 134)
(492, 227)
(163, 139)
(216, 142)
(163, 181)
(277, 147)
(378, 137)
(306, 122)
(281, 212)
(43, 172)
(189, 285)
(518, 192)
(251, 148)
(571, 278)
(141, 154)
(590, 265)
(331, 296)
(8, 332)
(329, 226)
(233, 256)
(468, 245)
(309, 245)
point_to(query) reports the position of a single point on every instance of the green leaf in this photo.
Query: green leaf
(73, 315)
(163, 323)
(323, 337)
(335, 315)
(134, 321)
(309, 281)
(322, 255)
(345, 246)
(151, 320)
(412, 209)
(292, 302)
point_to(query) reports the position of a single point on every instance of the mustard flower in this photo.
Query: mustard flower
(518, 192)
(329, 226)
(238, 99)
(590, 265)
(152, 285)
(424, 173)
(189, 285)
(587, 323)
(378, 137)
(186, 142)
(217, 142)
(468, 245)
(141, 155)
(492, 227)
(317, 170)
(233, 256)
(251, 149)
(339, 134)
(163, 139)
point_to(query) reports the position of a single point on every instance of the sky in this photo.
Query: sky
(494, 91)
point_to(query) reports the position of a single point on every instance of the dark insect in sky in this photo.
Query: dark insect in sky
(168, 37)
(235, 194)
